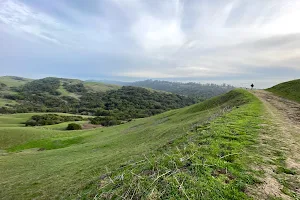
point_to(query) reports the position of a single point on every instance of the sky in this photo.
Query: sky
(220, 41)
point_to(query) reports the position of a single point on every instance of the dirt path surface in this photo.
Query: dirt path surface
(280, 147)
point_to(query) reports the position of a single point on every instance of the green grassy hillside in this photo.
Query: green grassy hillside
(100, 87)
(17, 120)
(289, 90)
(6, 83)
(201, 91)
(50, 164)
(11, 85)
(86, 98)
(14, 81)
(72, 96)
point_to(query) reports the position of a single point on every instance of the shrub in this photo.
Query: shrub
(74, 126)
(50, 119)
(75, 88)
(30, 122)
(105, 121)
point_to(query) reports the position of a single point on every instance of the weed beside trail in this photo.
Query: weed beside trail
(211, 161)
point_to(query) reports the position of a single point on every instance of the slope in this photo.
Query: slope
(54, 95)
(71, 169)
(8, 82)
(289, 90)
(10, 86)
(202, 91)
(14, 81)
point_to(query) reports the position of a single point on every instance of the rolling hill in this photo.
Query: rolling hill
(147, 157)
(222, 148)
(289, 90)
(9, 84)
(14, 81)
(77, 97)
(192, 89)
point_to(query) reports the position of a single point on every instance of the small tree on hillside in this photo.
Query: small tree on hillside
(74, 126)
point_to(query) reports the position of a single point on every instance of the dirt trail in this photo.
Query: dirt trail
(280, 144)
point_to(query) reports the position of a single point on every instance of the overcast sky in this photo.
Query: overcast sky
(230, 41)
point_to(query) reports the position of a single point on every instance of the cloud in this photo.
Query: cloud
(153, 33)
(22, 18)
(175, 39)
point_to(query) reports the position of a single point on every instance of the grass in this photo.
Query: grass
(17, 120)
(3, 102)
(285, 170)
(14, 120)
(63, 91)
(289, 90)
(48, 143)
(210, 161)
(100, 87)
(90, 86)
(61, 126)
(175, 153)
(11, 81)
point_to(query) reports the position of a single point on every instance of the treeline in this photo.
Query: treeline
(50, 119)
(105, 121)
(201, 91)
(122, 104)
(77, 88)
(49, 85)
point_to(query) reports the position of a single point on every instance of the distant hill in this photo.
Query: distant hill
(13, 81)
(78, 97)
(202, 91)
(51, 94)
(10, 85)
(289, 90)
(192, 89)
(6, 85)
(113, 82)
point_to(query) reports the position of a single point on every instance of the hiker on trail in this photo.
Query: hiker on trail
(252, 86)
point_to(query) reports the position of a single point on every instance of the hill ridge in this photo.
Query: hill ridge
(289, 90)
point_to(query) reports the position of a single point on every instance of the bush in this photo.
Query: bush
(30, 122)
(102, 112)
(105, 121)
(74, 126)
(50, 119)
(2, 86)
(75, 88)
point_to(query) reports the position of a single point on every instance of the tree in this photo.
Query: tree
(74, 126)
